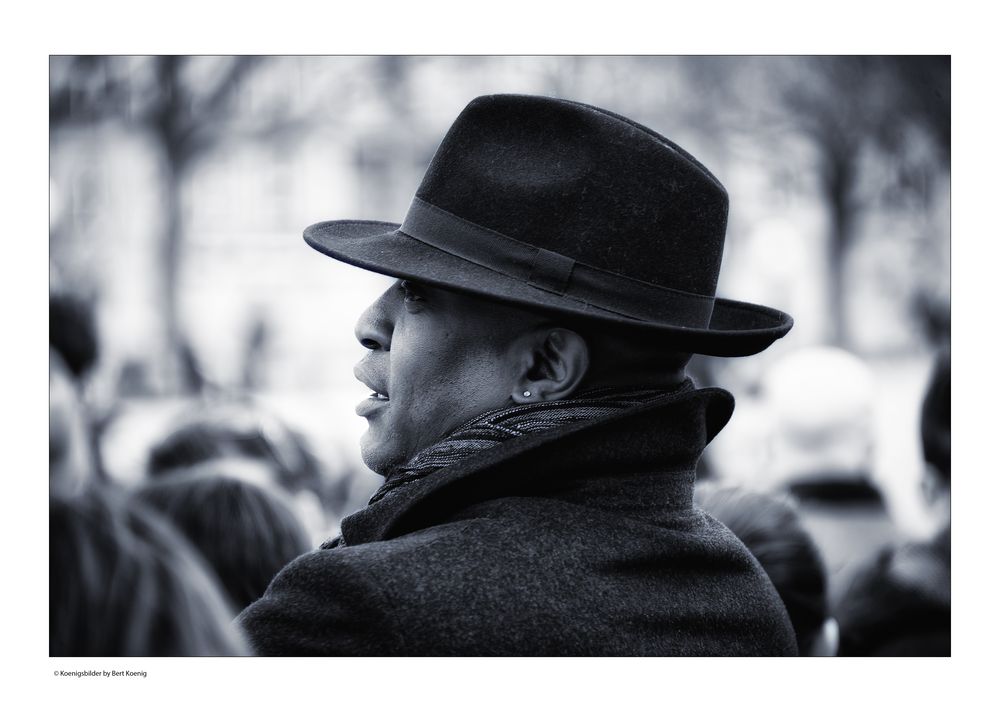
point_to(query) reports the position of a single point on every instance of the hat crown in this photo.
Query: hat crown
(584, 183)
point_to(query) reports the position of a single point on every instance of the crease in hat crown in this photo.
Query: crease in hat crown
(564, 206)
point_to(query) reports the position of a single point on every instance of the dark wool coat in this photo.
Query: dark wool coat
(577, 541)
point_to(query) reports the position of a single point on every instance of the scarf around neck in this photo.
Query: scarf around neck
(497, 426)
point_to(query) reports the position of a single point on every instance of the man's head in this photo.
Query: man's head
(821, 402)
(438, 358)
(248, 443)
(124, 582)
(547, 206)
(244, 532)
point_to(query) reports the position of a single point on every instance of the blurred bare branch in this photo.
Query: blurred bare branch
(186, 126)
(846, 109)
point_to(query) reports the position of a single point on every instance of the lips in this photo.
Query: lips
(380, 392)
(377, 384)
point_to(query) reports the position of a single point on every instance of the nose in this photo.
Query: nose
(374, 327)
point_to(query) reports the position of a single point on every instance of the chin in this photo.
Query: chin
(376, 456)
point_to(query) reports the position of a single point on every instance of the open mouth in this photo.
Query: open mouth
(377, 384)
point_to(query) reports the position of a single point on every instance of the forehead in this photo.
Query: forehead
(460, 304)
(447, 297)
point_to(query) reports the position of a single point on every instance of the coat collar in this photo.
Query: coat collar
(643, 457)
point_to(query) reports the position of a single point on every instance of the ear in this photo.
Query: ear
(554, 368)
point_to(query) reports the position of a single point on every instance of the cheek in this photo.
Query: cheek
(478, 381)
(486, 379)
(418, 385)
(447, 382)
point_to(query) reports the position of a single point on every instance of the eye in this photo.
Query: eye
(411, 293)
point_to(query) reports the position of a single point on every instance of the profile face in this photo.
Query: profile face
(436, 359)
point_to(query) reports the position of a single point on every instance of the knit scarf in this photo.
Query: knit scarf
(503, 424)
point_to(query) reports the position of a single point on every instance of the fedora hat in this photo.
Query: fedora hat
(571, 209)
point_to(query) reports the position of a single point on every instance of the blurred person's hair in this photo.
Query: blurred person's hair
(245, 533)
(71, 462)
(771, 530)
(123, 582)
(73, 333)
(238, 430)
(900, 605)
(935, 418)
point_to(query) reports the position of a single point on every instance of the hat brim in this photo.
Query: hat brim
(736, 328)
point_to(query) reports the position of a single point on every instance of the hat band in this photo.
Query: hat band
(553, 272)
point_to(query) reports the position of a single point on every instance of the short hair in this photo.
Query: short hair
(617, 346)
(935, 418)
(242, 430)
(899, 604)
(122, 582)
(73, 333)
(770, 528)
(245, 533)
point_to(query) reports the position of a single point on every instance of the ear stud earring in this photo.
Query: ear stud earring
(527, 393)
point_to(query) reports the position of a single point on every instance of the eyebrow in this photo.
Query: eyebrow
(416, 288)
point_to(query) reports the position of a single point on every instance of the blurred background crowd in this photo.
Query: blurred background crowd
(202, 431)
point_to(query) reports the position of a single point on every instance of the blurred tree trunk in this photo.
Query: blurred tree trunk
(165, 123)
(169, 252)
(184, 137)
(837, 183)
(185, 106)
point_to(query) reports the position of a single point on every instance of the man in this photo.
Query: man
(822, 401)
(900, 603)
(530, 409)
